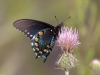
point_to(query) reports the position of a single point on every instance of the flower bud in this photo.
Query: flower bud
(95, 67)
(66, 61)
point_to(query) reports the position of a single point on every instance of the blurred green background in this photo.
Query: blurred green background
(16, 54)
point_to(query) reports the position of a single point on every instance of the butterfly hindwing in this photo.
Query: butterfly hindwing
(30, 27)
(43, 42)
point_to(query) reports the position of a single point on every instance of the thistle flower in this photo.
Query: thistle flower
(68, 39)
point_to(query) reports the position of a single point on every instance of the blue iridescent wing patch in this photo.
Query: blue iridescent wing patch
(43, 42)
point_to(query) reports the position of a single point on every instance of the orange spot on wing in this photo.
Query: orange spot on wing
(44, 50)
(36, 39)
(40, 33)
(37, 49)
(40, 52)
(36, 44)
(48, 46)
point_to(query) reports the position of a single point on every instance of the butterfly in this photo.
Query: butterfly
(41, 34)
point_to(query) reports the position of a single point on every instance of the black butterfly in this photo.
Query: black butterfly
(42, 35)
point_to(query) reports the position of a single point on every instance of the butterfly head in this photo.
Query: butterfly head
(59, 27)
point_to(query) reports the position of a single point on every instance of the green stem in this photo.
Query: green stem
(66, 72)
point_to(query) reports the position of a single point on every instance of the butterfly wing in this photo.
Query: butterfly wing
(43, 42)
(30, 27)
(42, 35)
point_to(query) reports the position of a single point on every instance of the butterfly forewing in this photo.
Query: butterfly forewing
(30, 27)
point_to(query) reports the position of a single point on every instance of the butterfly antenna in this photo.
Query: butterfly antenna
(56, 19)
(67, 18)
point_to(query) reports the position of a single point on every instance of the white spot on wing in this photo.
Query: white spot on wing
(32, 44)
(33, 49)
(28, 33)
(31, 35)
(43, 56)
(25, 30)
(17, 29)
(20, 30)
(36, 54)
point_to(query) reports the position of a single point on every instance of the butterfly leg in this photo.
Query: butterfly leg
(46, 57)
(36, 57)
(45, 60)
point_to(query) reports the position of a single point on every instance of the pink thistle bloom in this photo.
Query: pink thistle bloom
(68, 39)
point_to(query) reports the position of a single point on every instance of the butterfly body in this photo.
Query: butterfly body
(42, 35)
